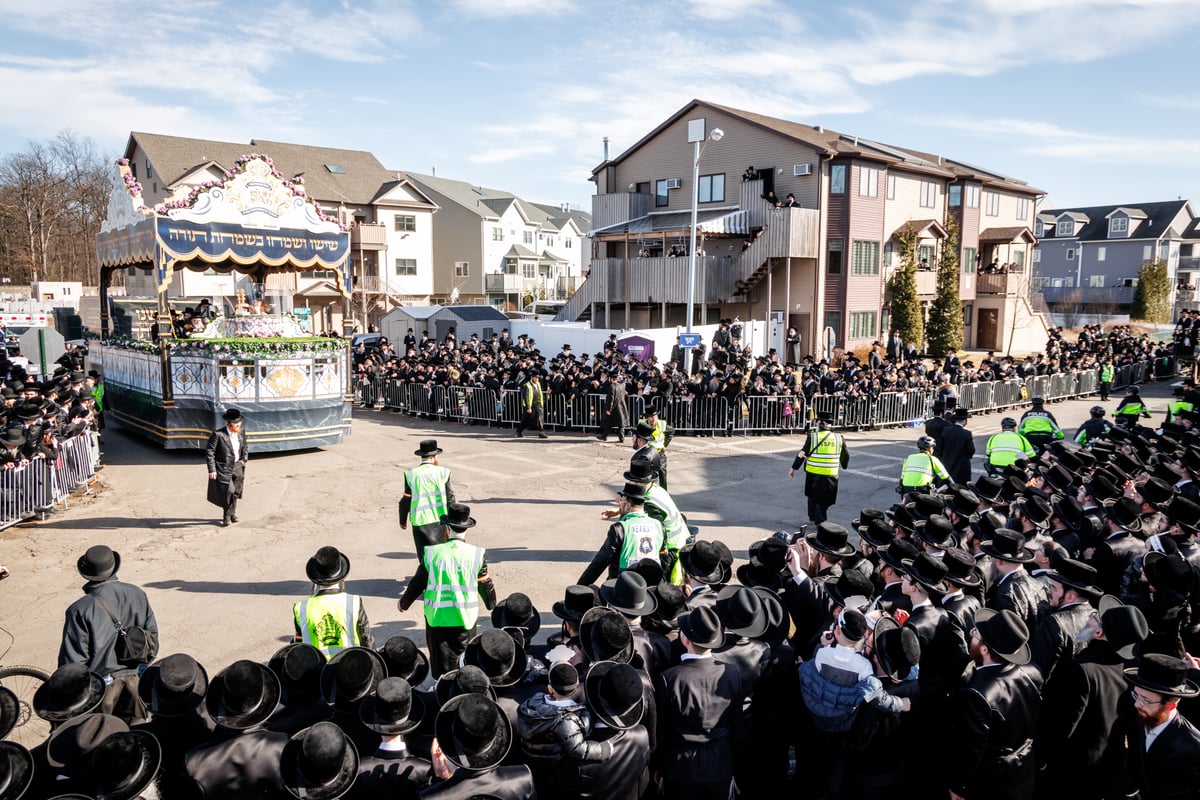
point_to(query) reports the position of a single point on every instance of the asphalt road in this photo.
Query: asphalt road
(226, 593)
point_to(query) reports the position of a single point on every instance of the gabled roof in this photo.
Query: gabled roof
(517, 251)
(1013, 235)
(1132, 213)
(559, 217)
(420, 199)
(1155, 224)
(921, 226)
(357, 183)
(499, 204)
(476, 313)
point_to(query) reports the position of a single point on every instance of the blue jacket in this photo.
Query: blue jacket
(834, 707)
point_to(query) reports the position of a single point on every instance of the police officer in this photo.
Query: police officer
(662, 507)
(922, 468)
(427, 494)
(634, 536)
(1131, 408)
(1039, 426)
(660, 436)
(1007, 446)
(332, 619)
(1186, 402)
(1094, 429)
(452, 580)
(823, 456)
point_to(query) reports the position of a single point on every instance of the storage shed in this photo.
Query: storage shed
(438, 320)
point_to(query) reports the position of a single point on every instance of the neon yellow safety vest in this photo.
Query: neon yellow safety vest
(452, 593)
(1035, 423)
(1006, 447)
(1106, 373)
(1131, 410)
(674, 528)
(1175, 407)
(643, 538)
(825, 454)
(427, 482)
(329, 622)
(98, 396)
(658, 439)
(919, 470)
(532, 391)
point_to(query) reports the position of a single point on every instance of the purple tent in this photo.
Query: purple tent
(639, 347)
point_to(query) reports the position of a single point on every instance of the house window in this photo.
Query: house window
(888, 250)
(968, 262)
(1039, 229)
(510, 266)
(1066, 227)
(862, 325)
(955, 196)
(1101, 253)
(1037, 256)
(972, 197)
(928, 194)
(406, 222)
(529, 269)
(865, 258)
(834, 262)
(406, 266)
(1018, 258)
(837, 179)
(1070, 254)
(868, 182)
(992, 199)
(891, 187)
(661, 198)
(1147, 252)
(833, 319)
(462, 269)
(967, 316)
(1022, 207)
(1118, 226)
(528, 237)
(712, 188)
(925, 254)
(567, 243)
(497, 234)
(1096, 281)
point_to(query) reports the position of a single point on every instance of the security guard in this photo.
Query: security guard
(1094, 429)
(1131, 408)
(636, 535)
(1007, 446)
(533, 407)
(660, 436)
(922, 469)
(332, 619)
(452, 580)
(1039, 426)
(661, 507)
(427, 494)
(823, 456)
(1107, 371)
(1187, 402)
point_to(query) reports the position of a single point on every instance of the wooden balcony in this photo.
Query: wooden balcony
(615, 207)
(926, 282)
(651, 280)
(1005, 283)
(368, 236)
(503, 283)
(788, 233)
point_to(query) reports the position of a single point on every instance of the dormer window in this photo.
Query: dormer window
(1066, 227)
(1039, 229)
(1118, 226)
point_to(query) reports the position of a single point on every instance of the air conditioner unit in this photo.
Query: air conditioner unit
(802, 169)
(674, 183)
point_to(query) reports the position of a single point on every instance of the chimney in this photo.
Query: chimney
(818, 129)
(606, 148)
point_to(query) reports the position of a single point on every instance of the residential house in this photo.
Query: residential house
(1088, 259)
(390, 218)
(491, 246)
(822, 265)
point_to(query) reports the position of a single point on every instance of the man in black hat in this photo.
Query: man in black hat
(427, 493)
(1013, 588)
(823, 456)
(173, 689)
(634, 536)
(392, 711)
(1164, 747)
(92, 630)
(957, 447)
(644, 452)
(616, 409)
(1072, 592)
(226, 455)
(453, 579)
(991, 722)
(658, 437)
(943, 647)
(331, 619)
(533, 412)
(472, 738)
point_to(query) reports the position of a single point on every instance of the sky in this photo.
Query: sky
(1089, 100)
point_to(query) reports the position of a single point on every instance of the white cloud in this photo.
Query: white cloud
(514, 8)
(1050, 140)
(726, 10)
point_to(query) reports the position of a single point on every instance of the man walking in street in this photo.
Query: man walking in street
(226, 455)
(660, 435)
(958, 447)
(823, 456)
(616, 411)
(427, 494)
(533, 411)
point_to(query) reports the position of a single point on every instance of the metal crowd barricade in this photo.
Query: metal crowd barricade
(773, 413)
(587, 411)
(637, 408)
(1038, 385)
(829, 405)
(1122, 375)
(367, 390)
(1088, 383)
(17, 487)
(977, 396)
(697, 414)
(509, 406)
(1006, 394)
(1060, 386)
(555, 409)
(74, 466)
(468, 403)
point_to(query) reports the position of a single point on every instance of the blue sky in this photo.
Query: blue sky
(1090, 100)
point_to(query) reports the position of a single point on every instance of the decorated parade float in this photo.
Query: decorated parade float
(171, 379)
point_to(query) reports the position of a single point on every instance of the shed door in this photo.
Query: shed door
(443, 327)
(985, 336)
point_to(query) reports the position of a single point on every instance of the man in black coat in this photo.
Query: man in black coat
(1164, 748)
(226, 455)
(1070, 593)
(616, 410)
(1013, 588)
(615, 698)
(957, 447)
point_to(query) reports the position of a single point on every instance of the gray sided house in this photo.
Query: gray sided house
(1087, 259)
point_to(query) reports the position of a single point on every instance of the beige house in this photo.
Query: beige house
(822, 262)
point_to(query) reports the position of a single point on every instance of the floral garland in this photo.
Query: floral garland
(131, 183)
(238, 349)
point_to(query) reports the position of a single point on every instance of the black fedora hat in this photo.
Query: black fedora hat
(393, 708)
(960, 567)
(242, 695)
(458, 517)
(895, 554)
(1077, 575)
(702, 627)
(866, 515)
(10, 711)
(937, 531)
(725, 556)
(641, 470)
(497, 653)
(852, 583)
(404, 659)
(1058, 478)
(1125, 512)
(464, 680)
(1125, 627)
(614, 693)
(327, 567)
(1156, 492)
(1004, 633)
(923, 506)
(671, 603)
(351, 675)
(928, 572)
(298, 666)
(99, 563)
(1170, 575)
(779, 622)
(428, 448)
(898, 648)
(760, 570)
(877, 533)
(173, 686)
(73, 741)
(125, 764)
(830, 538)
(1185, 513)
(517, 611)
(1007, 545)
(649, 568)
(628, 594)
(13, 437)
(702, 561)
(988, 488)
(1102, 488)
(987, 523)
(644, 430)
(902, 518)
(319, 763)
(231, 415)
(962, 501)
(741, 612)
(473, 732)
(1070, 511)
(71, 690)
(16, 771)
(1036, 509)
(1162, 674)
(634, 491)
(29, 411)
(605, 635)
(576, 600)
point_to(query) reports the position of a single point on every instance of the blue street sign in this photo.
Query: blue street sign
(689, 340)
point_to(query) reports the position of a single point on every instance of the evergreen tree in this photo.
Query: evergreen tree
(906, 307)
(945, 329)
(1152, 299)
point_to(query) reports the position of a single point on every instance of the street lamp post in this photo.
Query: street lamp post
(700, 141)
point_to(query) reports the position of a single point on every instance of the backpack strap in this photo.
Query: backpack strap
(108, 608)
